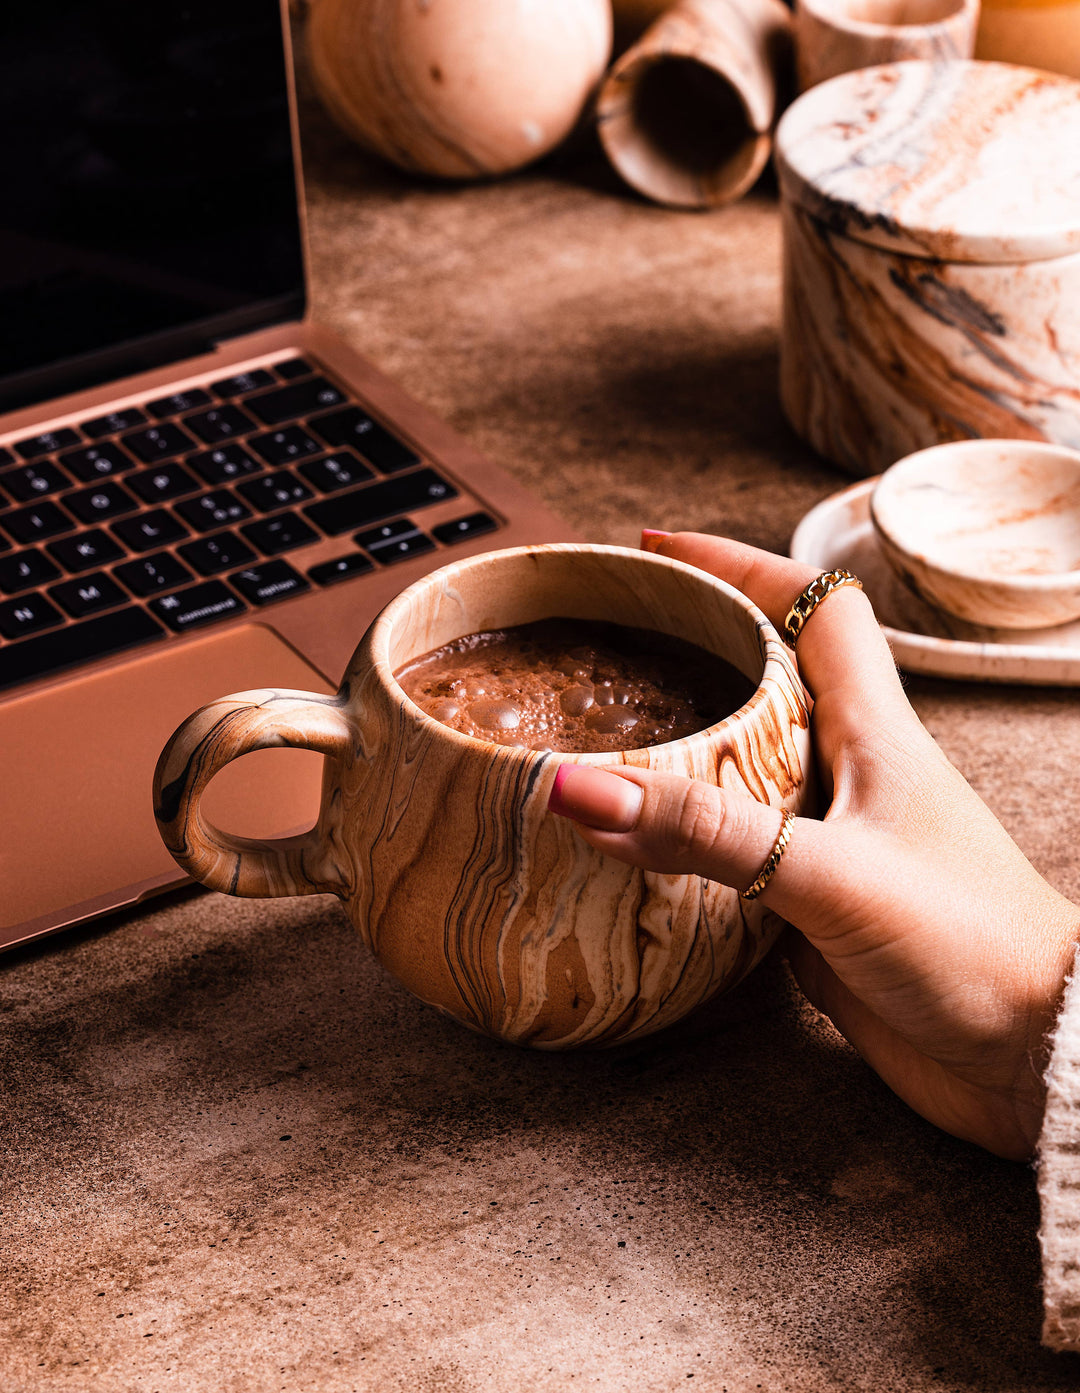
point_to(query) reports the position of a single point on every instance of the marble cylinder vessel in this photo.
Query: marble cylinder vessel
(686, 114)
(441, 846)
(835, 36)
(931, 218)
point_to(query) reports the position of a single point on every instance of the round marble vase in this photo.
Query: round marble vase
(457, 877)
(931, 219)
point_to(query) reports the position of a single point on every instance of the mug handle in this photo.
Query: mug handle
(211, 738)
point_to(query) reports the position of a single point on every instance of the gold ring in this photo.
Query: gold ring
(787, 826)
(811, 597)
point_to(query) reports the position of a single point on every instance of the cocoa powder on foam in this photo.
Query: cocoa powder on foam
(574, 686)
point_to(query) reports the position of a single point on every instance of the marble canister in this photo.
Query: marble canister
(931, 259)
(835, 36)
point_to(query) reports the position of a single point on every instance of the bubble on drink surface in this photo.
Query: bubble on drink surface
(576, 700)
(497, 714)
(611, 720)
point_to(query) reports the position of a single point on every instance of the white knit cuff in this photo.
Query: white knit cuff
(1059, 1178)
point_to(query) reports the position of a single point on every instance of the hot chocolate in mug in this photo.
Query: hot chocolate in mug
(441, 846)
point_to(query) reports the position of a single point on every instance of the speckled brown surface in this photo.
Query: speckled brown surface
(237, 1156)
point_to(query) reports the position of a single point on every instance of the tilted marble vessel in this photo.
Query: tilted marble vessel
(931, 220)
(457, 877)
(835, 36)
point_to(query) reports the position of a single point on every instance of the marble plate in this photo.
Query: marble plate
(838, 532)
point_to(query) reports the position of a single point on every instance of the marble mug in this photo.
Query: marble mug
(459, 880)
(836, 36)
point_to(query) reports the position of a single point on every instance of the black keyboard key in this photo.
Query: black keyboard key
(165, 482)
(86, 552)
(150, 530)
(225, 463)
(97, 462)
(212, 555)
(88, 594)
(152, 574)
(76, 644)
(24, 570)
(220, 423)
(158, 443)
(385, 532)
(284, 446)
(335, 472)
(36, 523)
(47, 443)
(178, 402)
(292, 368)
(461, 529)
(27, 615)
(102, 502)
(356, 429)
(198, 605)
(113, 422)
(254, 380)
(346, 511)
(298, 399)
(274, 535)
(268, 581)
(274, 491)
(401, 548)
(342, 568)
(34, 481)
(212, 510)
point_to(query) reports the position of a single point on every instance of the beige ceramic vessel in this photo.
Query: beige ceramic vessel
(441, 846)
(835, 36)
(988, 530)
(686, 114)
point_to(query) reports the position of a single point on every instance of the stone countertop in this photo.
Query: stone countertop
(238, 1156)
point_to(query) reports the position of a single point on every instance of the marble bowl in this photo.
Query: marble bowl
(988, 530)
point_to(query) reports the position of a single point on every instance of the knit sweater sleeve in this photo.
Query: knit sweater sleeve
(1059, 1178)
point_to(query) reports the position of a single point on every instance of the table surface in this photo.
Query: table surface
(239, 1156)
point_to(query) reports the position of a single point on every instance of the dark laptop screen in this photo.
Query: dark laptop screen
(149, 203)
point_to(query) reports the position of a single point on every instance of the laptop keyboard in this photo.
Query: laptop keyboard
(190, 509)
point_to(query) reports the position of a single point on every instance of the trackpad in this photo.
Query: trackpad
(75, 806)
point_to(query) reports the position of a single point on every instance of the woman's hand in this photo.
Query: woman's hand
(924, 933)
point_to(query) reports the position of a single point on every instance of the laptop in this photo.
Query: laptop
(201, 490)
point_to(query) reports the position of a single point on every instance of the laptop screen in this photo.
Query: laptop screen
(150, 205)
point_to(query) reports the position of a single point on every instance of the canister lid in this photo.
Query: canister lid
(959, 161)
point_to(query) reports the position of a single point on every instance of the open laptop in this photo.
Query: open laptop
(201, 491)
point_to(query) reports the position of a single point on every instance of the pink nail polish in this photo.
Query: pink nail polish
(555, 802)
(651, 538)
(595, 798)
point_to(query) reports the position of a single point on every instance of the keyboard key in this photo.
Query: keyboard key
(211, 555)
(284, 446)
(76, 644)
(269, 581)
(335, 472)
(27, 615)
(85, 552)
(198, 605)
(225, 463)
(113, 422)
(386, 532)
(151, 574)
(88, 595)
(178, 402)
(213, 510)
(158, 443)
(97, 462)
(292, 368)
(25, 569)
(165, 482)
(298, 399)
(36, 523)
(150, 530)
(220, 423)
(461, 529)
(254, 380)
(346, 511)
(34, 481)
(274, 491)
(343, 568)
(401, 548)
(47, 443)
(356, 429)
(274, 535)
(103, 501)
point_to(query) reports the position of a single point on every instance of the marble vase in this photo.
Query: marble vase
(835, 36)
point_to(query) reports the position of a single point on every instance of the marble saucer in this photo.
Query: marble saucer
(987, 530)
(839, 532)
